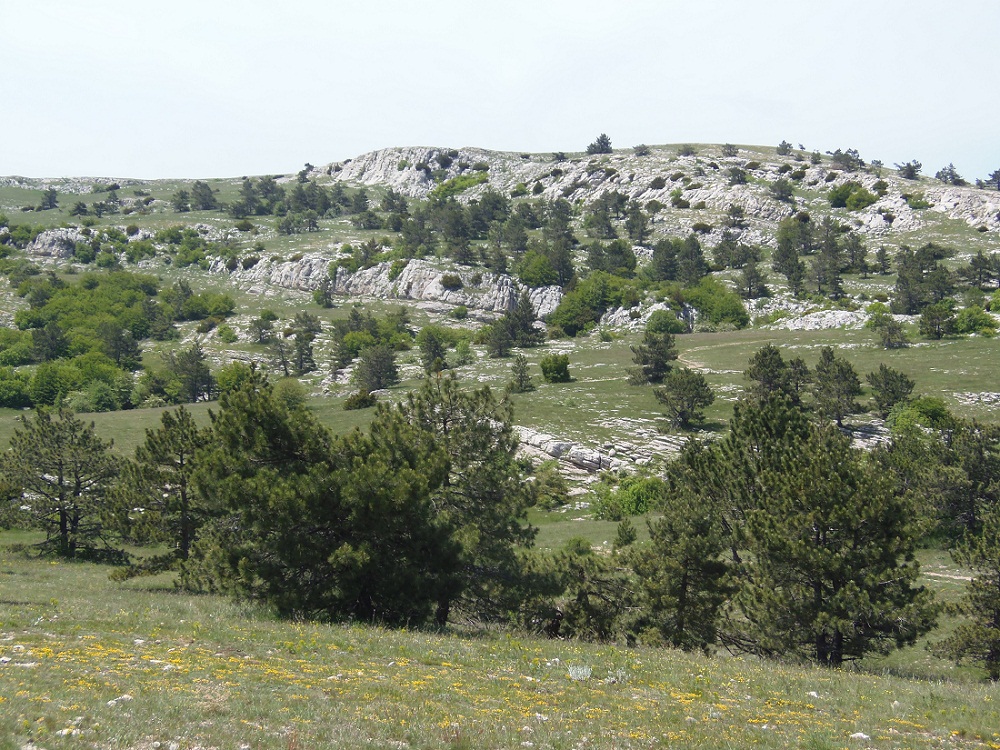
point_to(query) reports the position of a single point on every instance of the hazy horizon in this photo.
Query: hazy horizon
(194, 90)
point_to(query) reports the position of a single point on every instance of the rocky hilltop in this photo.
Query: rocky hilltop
(702, 179)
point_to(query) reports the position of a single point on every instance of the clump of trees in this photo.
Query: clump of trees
(601, 145)
(779, 540)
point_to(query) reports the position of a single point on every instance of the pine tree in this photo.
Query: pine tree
(191, 370)
(769, 375)
(836, 387)
(305, 327)
(681, 571)
(433, 349)
(977, 637)
(889, 387)
(481, 498)
(653, 358)
(691, 263)
(827, 572)
(317, 526)
(520, 378)
(375, 369)
(684, 395)
(160, 483)
(64, 471)
(752, 282)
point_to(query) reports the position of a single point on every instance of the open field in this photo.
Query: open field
(599, 406)
(85, 662)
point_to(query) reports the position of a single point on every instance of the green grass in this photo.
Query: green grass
(201, 671)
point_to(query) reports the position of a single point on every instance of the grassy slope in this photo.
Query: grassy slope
(203, 672)
(238, 677)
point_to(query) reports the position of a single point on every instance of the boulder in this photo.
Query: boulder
(55, 243)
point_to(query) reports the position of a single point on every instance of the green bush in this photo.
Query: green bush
(664, 321)
(226, 334)
(535, 269)
(916, 201)
(592, 297)
(860, 199)
(717, 305)
(974, 319)
(452, 281)
(555, 368)
(924, 411)
(459, 184)
(396, 269)
(359, 400)
(633, 496)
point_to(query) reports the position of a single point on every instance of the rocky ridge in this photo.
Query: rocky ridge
(418, 280)
(702, 180)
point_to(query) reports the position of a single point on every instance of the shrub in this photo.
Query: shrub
(687, 150)
(591, 298)
(718, 305)
(916, 201)
(536, 270)
(226, 334)
(555, 368)
(700, 227)
(459, 313)
(359, 400)
(396, 269)
(860, 199)
(632, 497)
(451, 281)
(664, 321)
(974, 319)
(658, 183)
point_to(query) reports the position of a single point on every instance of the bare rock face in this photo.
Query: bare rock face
(55, 243)
(975, 207)
(588, 459)
(419, 280)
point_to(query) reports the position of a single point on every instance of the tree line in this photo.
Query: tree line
(780, 539)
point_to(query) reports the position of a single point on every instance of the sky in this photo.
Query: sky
(223, 89)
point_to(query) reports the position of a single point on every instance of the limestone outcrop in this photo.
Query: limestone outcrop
(55, 243)
(418, 280)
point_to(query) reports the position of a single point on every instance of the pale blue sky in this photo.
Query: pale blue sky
(206, 89)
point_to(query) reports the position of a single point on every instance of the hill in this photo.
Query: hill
(128, 297)
(711, 192)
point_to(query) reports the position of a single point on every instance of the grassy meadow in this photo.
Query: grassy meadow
(87, 662)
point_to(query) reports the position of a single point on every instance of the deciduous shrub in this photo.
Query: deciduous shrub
(555, 368)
